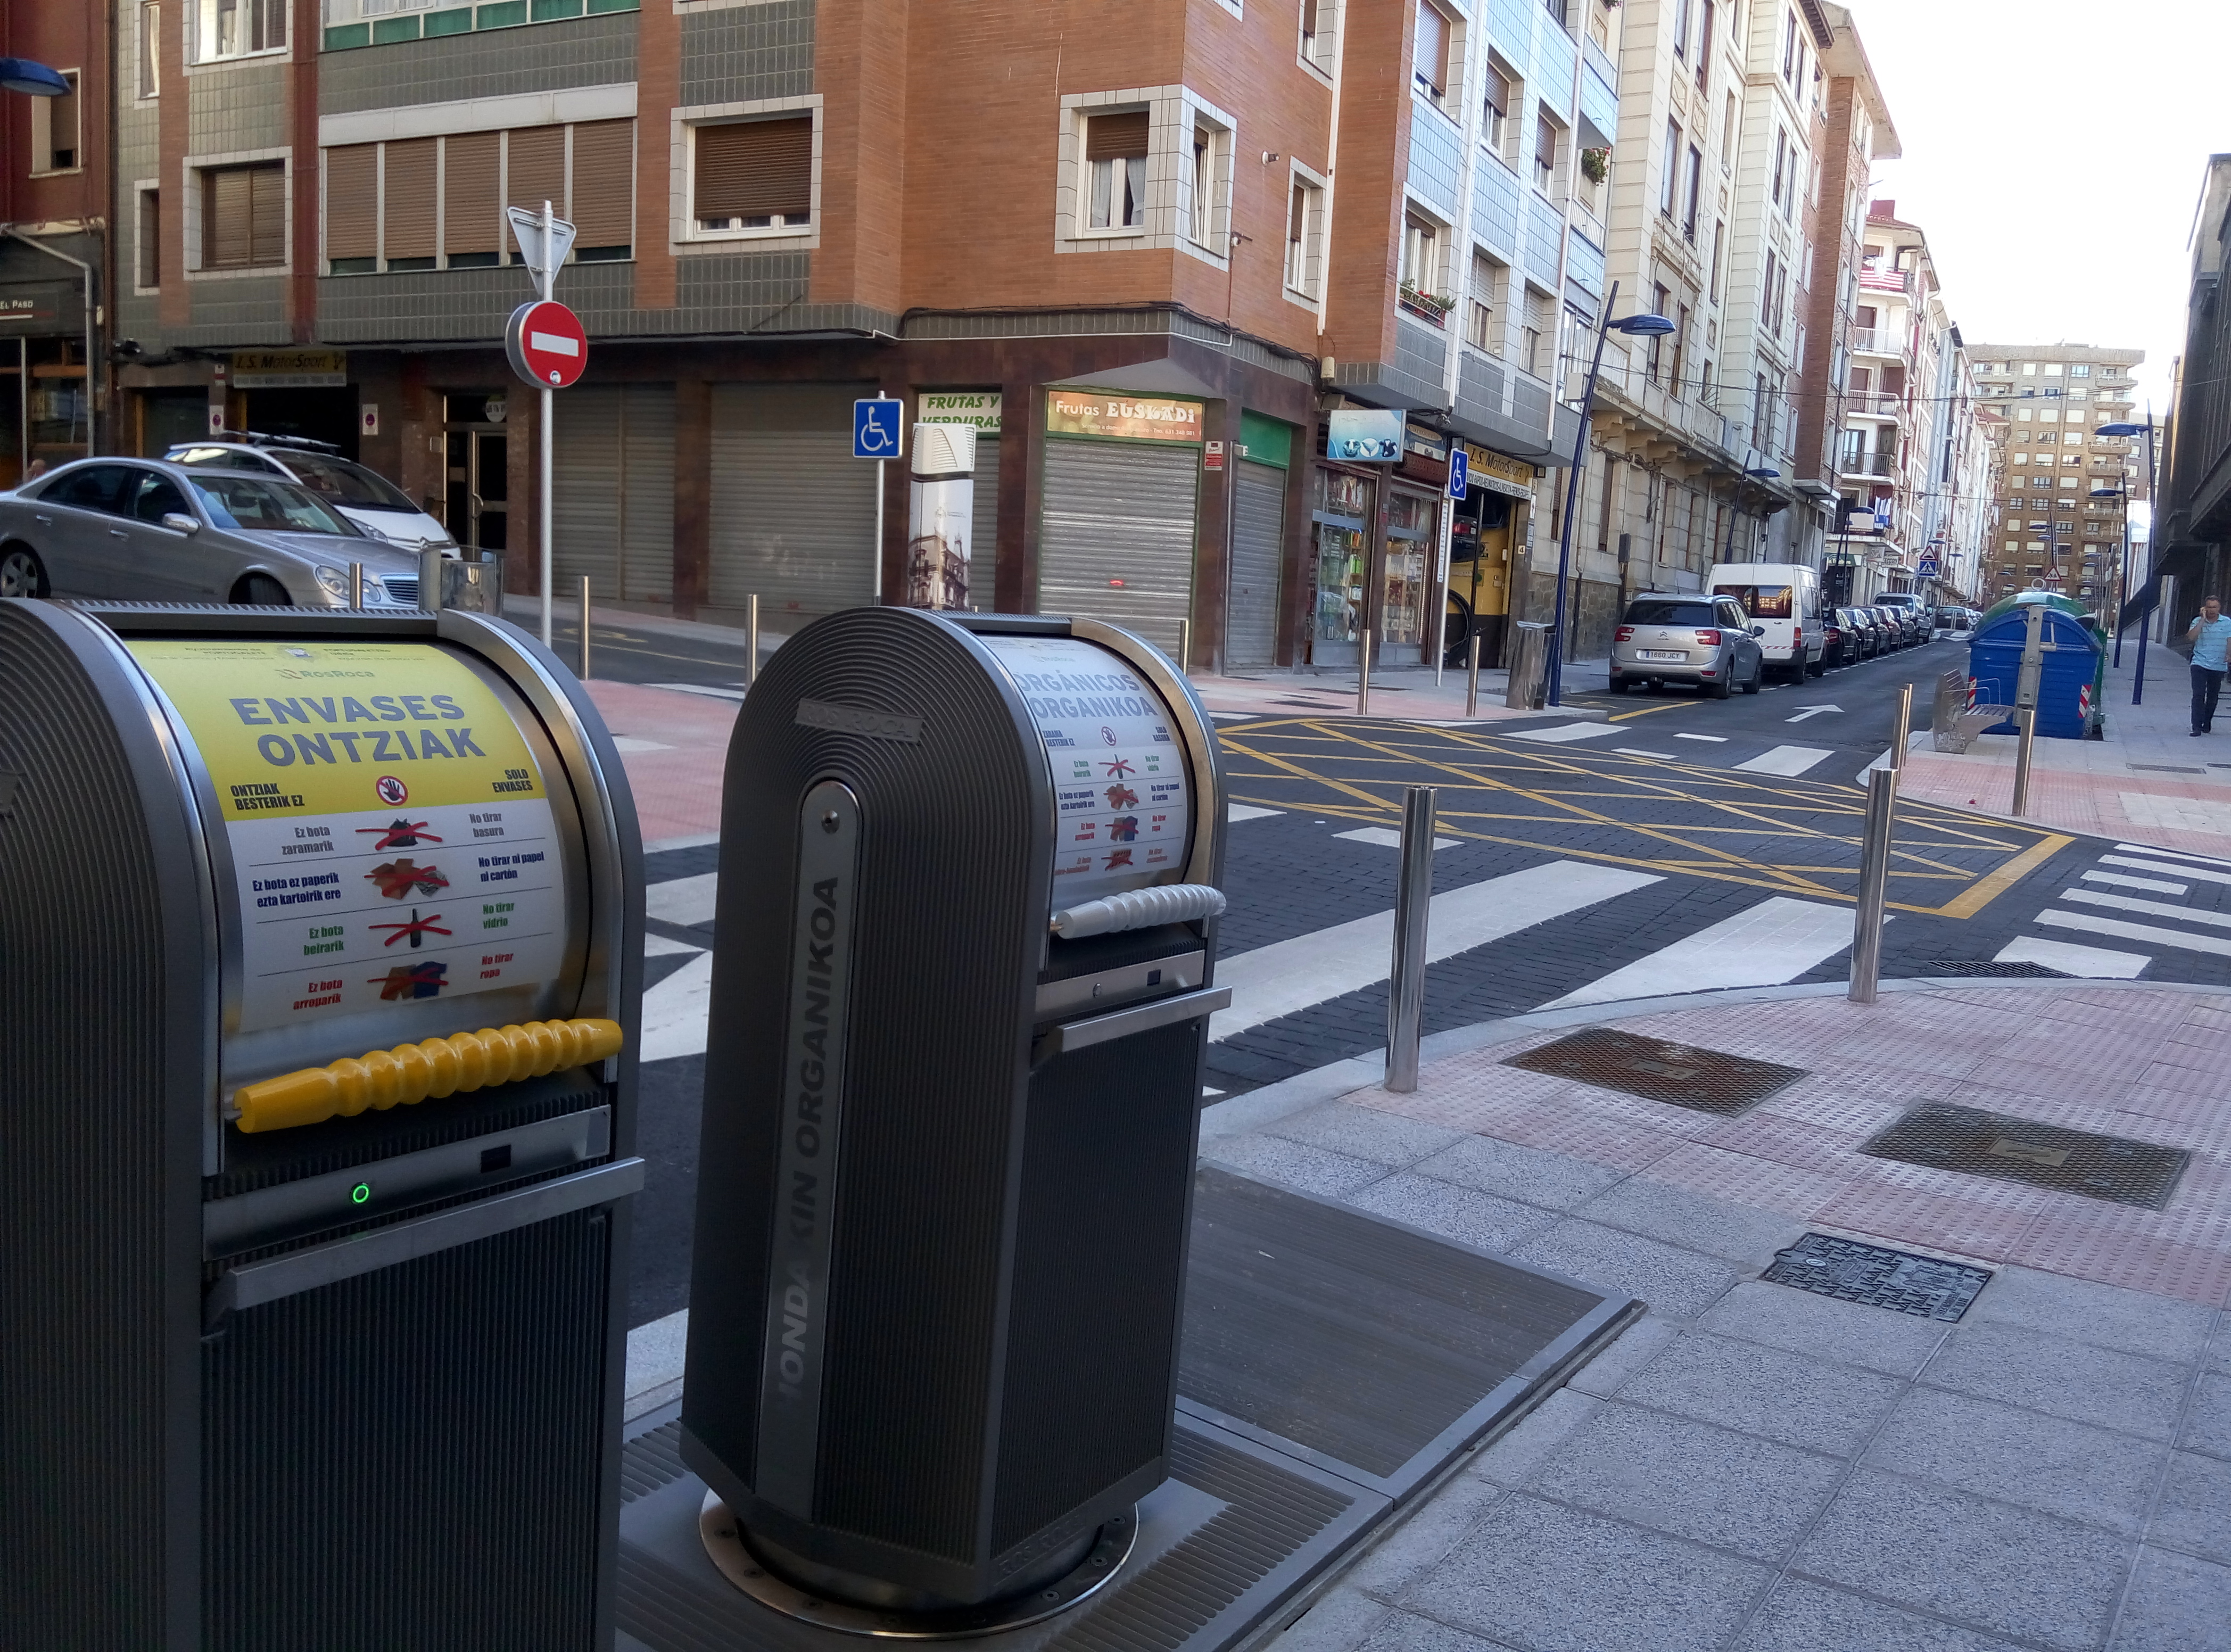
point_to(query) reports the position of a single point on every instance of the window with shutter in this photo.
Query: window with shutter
(148, 254)
(472, 213)
(604, 189)
(534, 169)
(352, 210)
(1430, 62)
(54, 129)
(408, 193)
(754, 175)
(244, 217)
(1116, 169)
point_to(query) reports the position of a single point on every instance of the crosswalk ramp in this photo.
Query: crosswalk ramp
(2134, 897)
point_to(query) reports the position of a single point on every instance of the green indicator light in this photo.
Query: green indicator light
(360, 1193)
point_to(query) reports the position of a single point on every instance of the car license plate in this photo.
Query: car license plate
(1659, 653)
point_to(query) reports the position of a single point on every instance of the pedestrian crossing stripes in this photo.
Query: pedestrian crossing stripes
(2097, 905)
(1765, 945)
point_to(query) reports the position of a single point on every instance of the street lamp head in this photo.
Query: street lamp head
(1764, 470)
(2120, 430)
(2107, 493)
(1644, 326)
(32, 80)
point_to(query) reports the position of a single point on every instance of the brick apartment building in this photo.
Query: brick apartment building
(1144, 252)
(54, 193)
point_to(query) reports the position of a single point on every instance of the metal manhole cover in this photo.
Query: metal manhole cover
(1987, 966)
(1680, 1074)
(2164, 768)
(2113, 1168)
(1896, 1280)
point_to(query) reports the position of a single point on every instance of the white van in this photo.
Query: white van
(1784, 601)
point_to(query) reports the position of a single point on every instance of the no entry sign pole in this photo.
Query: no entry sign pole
(542, 436)
(547, 348)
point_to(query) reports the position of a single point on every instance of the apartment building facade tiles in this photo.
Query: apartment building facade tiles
(1145, 261)
(2194, 524)
(2059, 511)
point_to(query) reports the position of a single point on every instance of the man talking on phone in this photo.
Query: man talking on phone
(2209, 636)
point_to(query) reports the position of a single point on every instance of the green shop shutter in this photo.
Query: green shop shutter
(1115, 534)
(1258, 540)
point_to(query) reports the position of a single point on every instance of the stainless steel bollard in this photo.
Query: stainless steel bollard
(1471, 678)
(1185, 645)
(2024, 732)
(1413, 900)
(1874, 880)
(751, 641)
(584, 628)
(355, 584)
(1902, 728)
(1363, 674)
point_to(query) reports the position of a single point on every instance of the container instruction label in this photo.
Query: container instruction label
(391, 836)
(1122, 808)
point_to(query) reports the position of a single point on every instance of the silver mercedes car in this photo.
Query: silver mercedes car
(141, 530)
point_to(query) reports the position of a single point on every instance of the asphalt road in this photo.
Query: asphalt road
(625, 653)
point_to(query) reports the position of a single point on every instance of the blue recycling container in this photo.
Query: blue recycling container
(2068, 684)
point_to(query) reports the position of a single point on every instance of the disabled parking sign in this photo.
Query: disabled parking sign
(875, 428)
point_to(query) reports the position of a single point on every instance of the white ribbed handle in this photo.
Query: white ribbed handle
(1138, 908)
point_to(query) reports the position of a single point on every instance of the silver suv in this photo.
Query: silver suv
(1687, 638)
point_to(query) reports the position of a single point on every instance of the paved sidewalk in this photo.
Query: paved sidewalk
(1756, 1466)
(675, 747)
(2148, 781)
(1410, 694)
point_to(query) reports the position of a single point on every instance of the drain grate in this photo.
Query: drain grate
(1896, 1280)
(1680, 1074)
(2112, 1168)
(2165, 768)
(1987, 966)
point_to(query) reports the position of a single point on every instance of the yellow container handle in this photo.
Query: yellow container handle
(411, 1073)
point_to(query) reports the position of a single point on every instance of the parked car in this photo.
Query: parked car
(366, 498)
(1859, 635)
(1782, 601)
(1898, 635)
(1838, 645)
(1687, 638)
(1912, 615)
(144, 530)
(1873, 630)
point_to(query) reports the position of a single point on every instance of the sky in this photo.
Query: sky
(2053, 155)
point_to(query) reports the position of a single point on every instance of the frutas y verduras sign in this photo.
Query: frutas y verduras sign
(1150, 418)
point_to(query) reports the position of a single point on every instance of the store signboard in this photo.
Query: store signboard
(1494, 472)
(38, 308)
(288, 369)
(976, 407)
(1138, 418)
(1364, 435)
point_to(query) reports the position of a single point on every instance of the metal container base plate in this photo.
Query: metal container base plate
(1707, 1081)
(730, 1550)
(2112, 1168)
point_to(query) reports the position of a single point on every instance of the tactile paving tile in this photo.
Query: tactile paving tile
(2113, 1168)
(1878, 1276)
(1681, 1075)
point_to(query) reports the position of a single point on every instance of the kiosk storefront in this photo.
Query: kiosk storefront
(1489, 521)
(1119, 505)
(1376, 532)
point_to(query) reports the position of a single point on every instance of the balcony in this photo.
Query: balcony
(1859, 463)
(1883, 404)
(1877, 341)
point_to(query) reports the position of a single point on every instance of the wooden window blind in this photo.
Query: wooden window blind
(410, 199)
(353, 201)
(472, 216)
(1115, 137)
(244, 217)
(536, 170)
(755, 168)
(604, 182)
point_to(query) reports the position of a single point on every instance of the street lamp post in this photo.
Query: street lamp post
(2139, 671)
(1634, 326)
(1764, 472)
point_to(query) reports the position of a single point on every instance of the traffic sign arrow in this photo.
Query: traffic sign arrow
(1814, 711)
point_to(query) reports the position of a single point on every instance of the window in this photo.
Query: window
(1728, 135)
(1680, 28)
(352, 210)
(411, 203)
(1304, 236)
(758, 174)
(1421, 257)
(1200, 196)
(244, 217)
(1319, 19)
(2029, 369)
(1680, 347)
(1545, 153)
(151, 36)
(1766, 291)
(1719, 239)
(1556, 8)
(1495, 106)
(1482, 297)
(239, 28)
(1116, 171)
(147, 244)
(2052, 370)
(54, 130)
(2080, 370)
(1533, 328)
(1789, 48)
(1781, 161)
(1430, 62)
(1707, 392)
(1695, 188)
(1659, 298)
(1705, 49)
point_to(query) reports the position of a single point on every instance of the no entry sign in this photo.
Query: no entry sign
(545, 344)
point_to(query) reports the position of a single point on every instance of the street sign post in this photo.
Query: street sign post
(1459, 473)
(1927, 568)
(536, 342)
(876, 436)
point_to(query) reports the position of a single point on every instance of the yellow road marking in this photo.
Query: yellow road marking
(1989, 887)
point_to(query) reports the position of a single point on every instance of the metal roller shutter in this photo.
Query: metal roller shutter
(612, 468)
(984, 522)
(407, 204)
(1115, 539)
(351, 202)
(1259, 536)
(647, 505)
(472, 216)
(794, 512)
(534, 168)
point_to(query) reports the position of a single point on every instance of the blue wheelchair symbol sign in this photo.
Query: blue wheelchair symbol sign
(1459, 473)
(875, 429)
